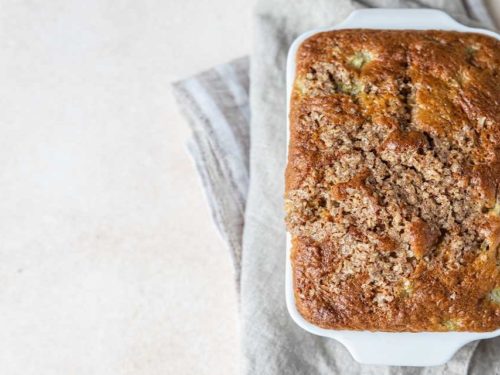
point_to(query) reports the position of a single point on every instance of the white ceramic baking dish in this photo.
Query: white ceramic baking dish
(384, 348)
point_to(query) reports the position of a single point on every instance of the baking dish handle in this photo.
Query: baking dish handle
(406, 349)
(392, 19)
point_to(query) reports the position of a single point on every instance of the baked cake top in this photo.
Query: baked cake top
(392, 183)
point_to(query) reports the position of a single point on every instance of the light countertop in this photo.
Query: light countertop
(109, 261)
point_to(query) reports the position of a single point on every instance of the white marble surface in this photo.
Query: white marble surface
(109, 261)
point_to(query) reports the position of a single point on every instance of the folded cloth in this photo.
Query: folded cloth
(217, 106)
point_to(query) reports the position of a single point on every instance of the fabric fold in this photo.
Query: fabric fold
(216, 105)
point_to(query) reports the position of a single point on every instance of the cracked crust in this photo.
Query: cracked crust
(392, 183)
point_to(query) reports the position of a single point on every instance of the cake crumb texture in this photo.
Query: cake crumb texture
(392, 184)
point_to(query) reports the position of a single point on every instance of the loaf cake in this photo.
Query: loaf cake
(392, 184)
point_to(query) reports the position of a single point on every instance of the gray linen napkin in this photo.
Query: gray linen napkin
(217, 106)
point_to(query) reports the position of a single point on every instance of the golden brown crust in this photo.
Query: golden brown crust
(392, 182)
